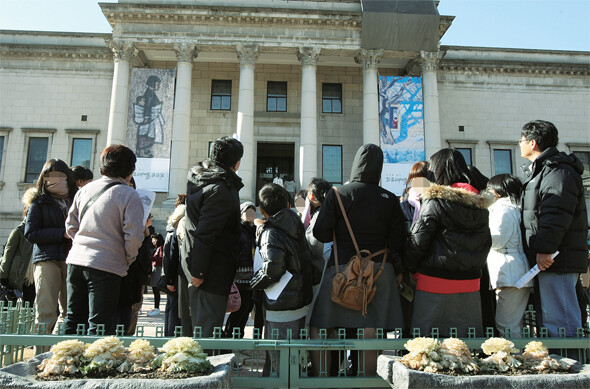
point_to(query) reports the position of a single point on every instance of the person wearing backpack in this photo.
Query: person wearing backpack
(284, 252)
(377, 223)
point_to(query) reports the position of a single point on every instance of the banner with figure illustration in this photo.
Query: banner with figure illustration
(149, 125)
(401, 128)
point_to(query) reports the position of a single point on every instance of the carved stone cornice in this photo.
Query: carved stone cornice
(122, 50)
(369, 58)
(57, 52)
(247, 54)
(186, 52)
(530, 69)
(429, 60)
(308, 56)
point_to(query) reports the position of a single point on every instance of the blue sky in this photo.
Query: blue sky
(529, 24)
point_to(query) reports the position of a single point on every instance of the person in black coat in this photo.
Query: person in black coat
(245, 271)
(212, 224)
(447, 249)
(45, 228)
(554, 220)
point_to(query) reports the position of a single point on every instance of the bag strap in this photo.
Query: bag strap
(95, 197)
(356, 247)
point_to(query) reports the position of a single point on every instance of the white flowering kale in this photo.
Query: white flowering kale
(500, 352)
(65, 359)
(104, 354)
(140, 356)
(183, 355)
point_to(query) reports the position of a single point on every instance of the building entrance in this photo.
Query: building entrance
(274, 159)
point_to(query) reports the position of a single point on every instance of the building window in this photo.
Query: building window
(1, 152)
(276, 96)
(36, 158)
(332, 163)
(221, 95)
(466, 152)
(502, 161)
(584, 156)
(81, 152)
(331, 98)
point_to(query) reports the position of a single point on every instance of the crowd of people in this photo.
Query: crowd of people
(447, 254)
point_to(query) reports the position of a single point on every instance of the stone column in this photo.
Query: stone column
(308, 144)
(432, 136)
(247, 55)
(181, 124)
(123, 51)
(369, 59)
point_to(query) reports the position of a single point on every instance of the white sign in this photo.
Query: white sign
(394, 176)
(152, 174)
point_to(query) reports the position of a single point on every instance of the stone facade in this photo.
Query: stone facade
(49, 81)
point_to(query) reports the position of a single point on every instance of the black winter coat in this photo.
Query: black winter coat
(45, 227)
(283, 247)
(245, 270)
(212, 226)
(451, 238)
(554, 212)
(374, 213)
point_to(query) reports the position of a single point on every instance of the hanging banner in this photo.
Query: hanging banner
(149, 126)
(401, 126)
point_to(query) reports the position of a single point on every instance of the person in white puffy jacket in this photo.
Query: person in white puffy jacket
(507, 262)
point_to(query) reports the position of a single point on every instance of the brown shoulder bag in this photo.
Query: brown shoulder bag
(355, 287)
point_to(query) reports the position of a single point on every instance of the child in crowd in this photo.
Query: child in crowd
(285, 253)
(507, 262)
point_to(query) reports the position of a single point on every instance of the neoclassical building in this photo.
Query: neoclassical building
(293, 79)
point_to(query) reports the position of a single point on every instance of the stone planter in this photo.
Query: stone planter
(398, 376)
(22, 375)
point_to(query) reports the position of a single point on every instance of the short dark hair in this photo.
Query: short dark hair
(542, 131)
(273, 198)
(478, 179)
(82, 173)
(117, 161)
(506, 185)
(226, 151)
(449, 167)
(57, 165)
(319, 188)
(160, 239)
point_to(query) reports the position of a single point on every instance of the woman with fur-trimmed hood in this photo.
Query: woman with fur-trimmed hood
(447, 249)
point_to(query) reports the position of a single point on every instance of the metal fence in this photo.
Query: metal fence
(17, 333)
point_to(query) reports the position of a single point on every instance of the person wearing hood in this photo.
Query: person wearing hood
(447, 249)
(45, 228)
(212, 232)
(378, 223)
(284, 252)
(554, 220)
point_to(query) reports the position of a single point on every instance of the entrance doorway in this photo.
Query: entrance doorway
(273, 159)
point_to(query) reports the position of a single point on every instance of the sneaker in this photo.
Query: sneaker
(154, 312)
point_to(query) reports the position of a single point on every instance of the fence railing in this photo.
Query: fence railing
(17, 333)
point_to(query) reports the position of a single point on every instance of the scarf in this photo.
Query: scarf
(414, 200)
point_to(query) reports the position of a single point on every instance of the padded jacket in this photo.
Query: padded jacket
(17, 258)
(451, 238)
(212, 226)
(374, 213)
(283, 247)
(554, 212)
(45, 227)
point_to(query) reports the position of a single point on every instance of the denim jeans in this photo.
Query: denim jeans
(559, 303)
(92, 299)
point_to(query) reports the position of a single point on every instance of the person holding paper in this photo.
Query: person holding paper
(105, 225)
(554, 219)
(506, 260)
(286, 272)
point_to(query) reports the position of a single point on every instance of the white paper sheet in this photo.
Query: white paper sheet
(272, 292)
(531, 274)
(147, 198)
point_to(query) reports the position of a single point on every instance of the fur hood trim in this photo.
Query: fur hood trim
(457, 195)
